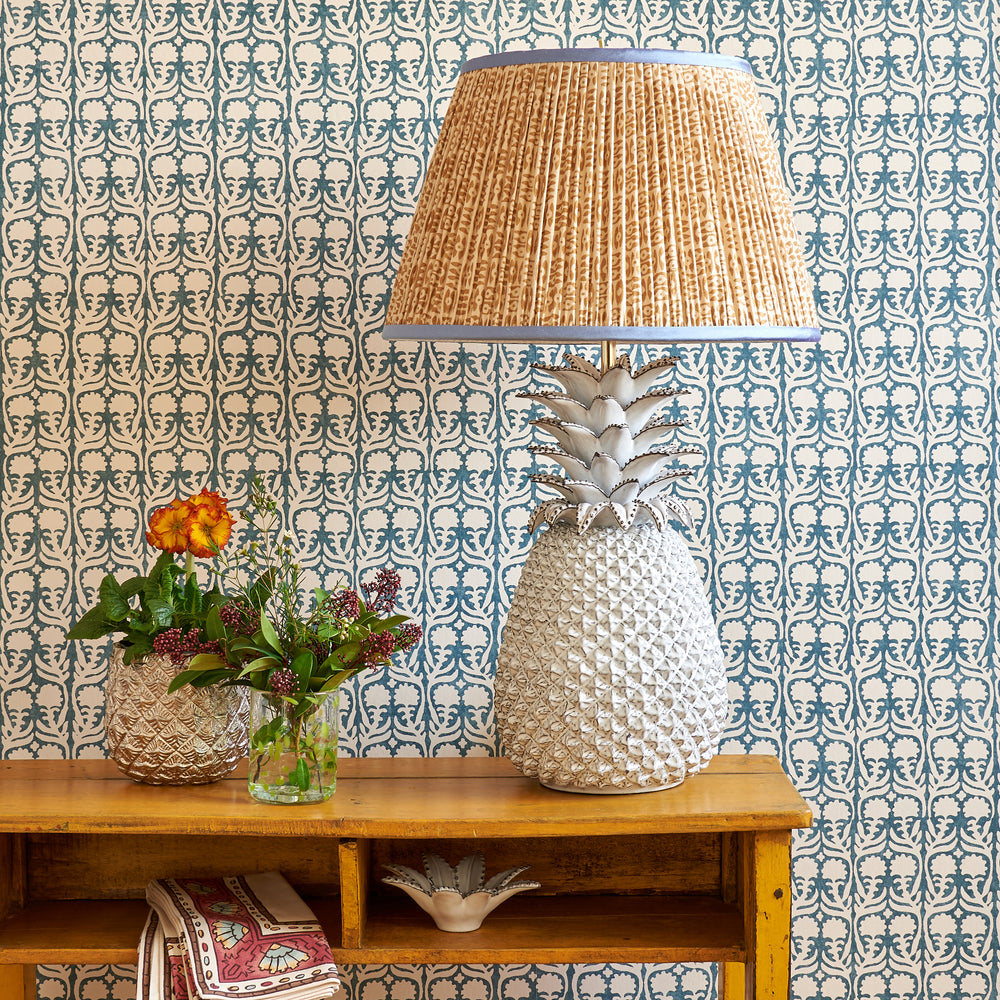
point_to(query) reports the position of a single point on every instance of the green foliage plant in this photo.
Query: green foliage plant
(165, 611)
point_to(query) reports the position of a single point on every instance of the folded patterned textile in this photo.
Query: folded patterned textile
(238, 936)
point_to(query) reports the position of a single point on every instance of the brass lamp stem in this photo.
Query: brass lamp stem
(609, 354)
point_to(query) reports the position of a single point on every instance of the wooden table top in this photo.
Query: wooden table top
(400, 798)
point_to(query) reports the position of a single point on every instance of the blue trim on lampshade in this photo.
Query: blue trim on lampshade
(595, 334)
(663, 56)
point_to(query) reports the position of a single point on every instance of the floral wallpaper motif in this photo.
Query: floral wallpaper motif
(203, 205)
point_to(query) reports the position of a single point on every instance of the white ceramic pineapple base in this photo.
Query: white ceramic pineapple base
(610, 678)
(459, 898)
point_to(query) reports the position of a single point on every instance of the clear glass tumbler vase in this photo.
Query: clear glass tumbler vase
(293, 748)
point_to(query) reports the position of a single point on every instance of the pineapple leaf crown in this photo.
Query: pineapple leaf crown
(608, 445)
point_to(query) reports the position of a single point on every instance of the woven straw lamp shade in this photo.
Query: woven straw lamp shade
(589, 194)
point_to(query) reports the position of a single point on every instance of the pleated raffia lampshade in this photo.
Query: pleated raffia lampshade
(586, 194)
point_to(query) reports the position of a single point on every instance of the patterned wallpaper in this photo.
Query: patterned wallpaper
(203, 205)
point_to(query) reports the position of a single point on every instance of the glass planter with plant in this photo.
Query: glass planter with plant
(293, 650)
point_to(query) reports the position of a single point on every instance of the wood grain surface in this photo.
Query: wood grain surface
(119, 865)
(400, 799)
(561, 929)
(625, 865)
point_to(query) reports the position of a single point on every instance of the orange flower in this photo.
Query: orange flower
(210, 524)
(168, 527)
(208, 498)
(200, 525)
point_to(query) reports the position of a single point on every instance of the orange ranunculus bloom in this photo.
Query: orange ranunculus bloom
(208, 498)
(200, 525)
(209, 528)
(168, 527)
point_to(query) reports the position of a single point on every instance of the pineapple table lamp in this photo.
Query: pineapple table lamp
(603, 195)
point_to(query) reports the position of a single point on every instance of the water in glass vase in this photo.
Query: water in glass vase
(293, 748)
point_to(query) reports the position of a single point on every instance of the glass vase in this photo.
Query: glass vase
(293, 748)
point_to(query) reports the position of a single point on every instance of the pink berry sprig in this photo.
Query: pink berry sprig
(284, 681)
(180, 645)
(408, 636)
(377, 648)
(344, 605)
(382, 592)
(240, 617)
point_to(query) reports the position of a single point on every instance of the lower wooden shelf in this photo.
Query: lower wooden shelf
(76, 931)
(543, 929)
(560, 929)
(98, 931)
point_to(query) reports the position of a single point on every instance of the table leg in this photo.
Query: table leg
(765, 869)
(732, 979)
(17, 982)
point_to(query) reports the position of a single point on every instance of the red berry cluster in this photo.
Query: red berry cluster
(381, 594)
(409, 635)
(377, 648)
(284, 681)
(179, 645)
(319, 648)
(345, 605)
(240, 618)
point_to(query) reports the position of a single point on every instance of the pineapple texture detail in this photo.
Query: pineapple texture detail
(610, 677)
(608, 444)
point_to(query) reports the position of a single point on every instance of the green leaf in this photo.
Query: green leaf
(260, 593)
(132, 587)
(302, 667)
(205, 669)
(319, 595)
(113, 604)
(267, 732)
(209, 677)
(165, 559)
(214, 598)
(151, 592)
(242, 642)
(162, 611)
(192, 595)
(306, 705)
(261, 663)
(140, 646)
(336, 680)
(343, 656)
(168, 588)
(248, 653)
(209, 661)
(93, 625)
(389, 623)
(300, 776)
(270, 636)
(184, 677)
(214, 628)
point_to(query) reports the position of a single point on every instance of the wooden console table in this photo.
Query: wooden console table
(697, 873)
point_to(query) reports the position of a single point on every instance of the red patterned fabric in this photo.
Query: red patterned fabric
(240, 936)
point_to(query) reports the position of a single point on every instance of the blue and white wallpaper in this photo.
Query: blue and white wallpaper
(203, 205)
